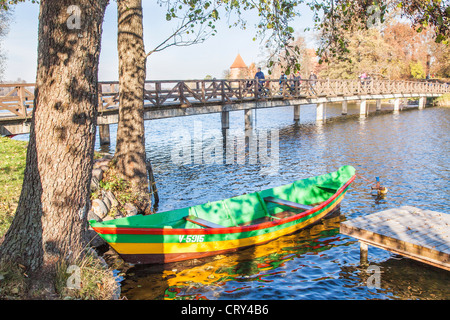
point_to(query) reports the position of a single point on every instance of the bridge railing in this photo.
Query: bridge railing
(17, 99)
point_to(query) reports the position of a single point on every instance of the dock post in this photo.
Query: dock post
(225, 119)
(363, 253)
(362, 108)
(344, 107)
(248, 116)
(378, 104)
(103, 132)
(421, 103)
(297, 113)
(396, 105)
(320, 111)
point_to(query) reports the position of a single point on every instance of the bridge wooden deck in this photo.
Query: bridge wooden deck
(175, 98)
(421, 235)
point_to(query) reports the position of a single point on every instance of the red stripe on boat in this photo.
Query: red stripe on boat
(264, 225)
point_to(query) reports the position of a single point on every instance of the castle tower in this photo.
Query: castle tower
(238, 69)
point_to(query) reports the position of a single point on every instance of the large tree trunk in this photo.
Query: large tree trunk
(130, 147)
(50, 221)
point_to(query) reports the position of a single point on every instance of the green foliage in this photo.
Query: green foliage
(121, 188)
(7, 4)
(417, 70)
(274, 26)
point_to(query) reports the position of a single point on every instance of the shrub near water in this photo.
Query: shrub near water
(443, 101)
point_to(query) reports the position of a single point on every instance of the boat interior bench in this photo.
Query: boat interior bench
(202, 222)
(287, 203)
(329, 188)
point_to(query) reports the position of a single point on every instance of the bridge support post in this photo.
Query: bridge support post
(378, 104)
(103, 132)
(344, 107)
(396, 105)
(225, 119)
(320, 111)
(362, 108)
(297, 113)
(248, 117)
(422, 103)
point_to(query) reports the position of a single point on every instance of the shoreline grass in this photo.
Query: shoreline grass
(12, 167)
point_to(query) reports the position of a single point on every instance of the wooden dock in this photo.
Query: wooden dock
(418, 234)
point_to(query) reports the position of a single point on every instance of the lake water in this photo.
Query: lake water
(409, 151)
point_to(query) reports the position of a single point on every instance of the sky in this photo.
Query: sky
(212, 57)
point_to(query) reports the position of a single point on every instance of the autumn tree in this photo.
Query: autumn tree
(367, 52)
(304, 57)
(50, 221)
(391, 51)
(342, 18)
(440, 66)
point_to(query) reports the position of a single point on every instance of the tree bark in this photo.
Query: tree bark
(50, 220)
(130, 146)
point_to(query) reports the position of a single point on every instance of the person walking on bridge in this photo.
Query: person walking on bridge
(282, 82)
(259, 76)
(312, 81)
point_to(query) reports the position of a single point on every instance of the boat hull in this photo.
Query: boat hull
(157, 246)
(162, 258)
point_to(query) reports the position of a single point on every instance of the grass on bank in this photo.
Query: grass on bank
(86, 279)
(12, 166)
(96, 280)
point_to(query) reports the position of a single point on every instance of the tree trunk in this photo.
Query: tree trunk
(130, 147)
(50, 221)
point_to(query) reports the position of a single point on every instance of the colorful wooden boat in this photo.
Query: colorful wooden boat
(226, 225)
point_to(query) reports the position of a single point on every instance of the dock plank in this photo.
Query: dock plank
(422, 235)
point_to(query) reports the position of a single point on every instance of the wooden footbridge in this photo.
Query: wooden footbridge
(165, 99)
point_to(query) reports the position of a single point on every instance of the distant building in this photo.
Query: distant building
(238, 69)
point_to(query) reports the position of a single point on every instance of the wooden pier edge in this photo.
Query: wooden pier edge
(402, 248)
(423, 253)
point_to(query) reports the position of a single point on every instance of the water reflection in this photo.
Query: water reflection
(226, 276)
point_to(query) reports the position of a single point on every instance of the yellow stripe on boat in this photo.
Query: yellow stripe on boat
(167, 248)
